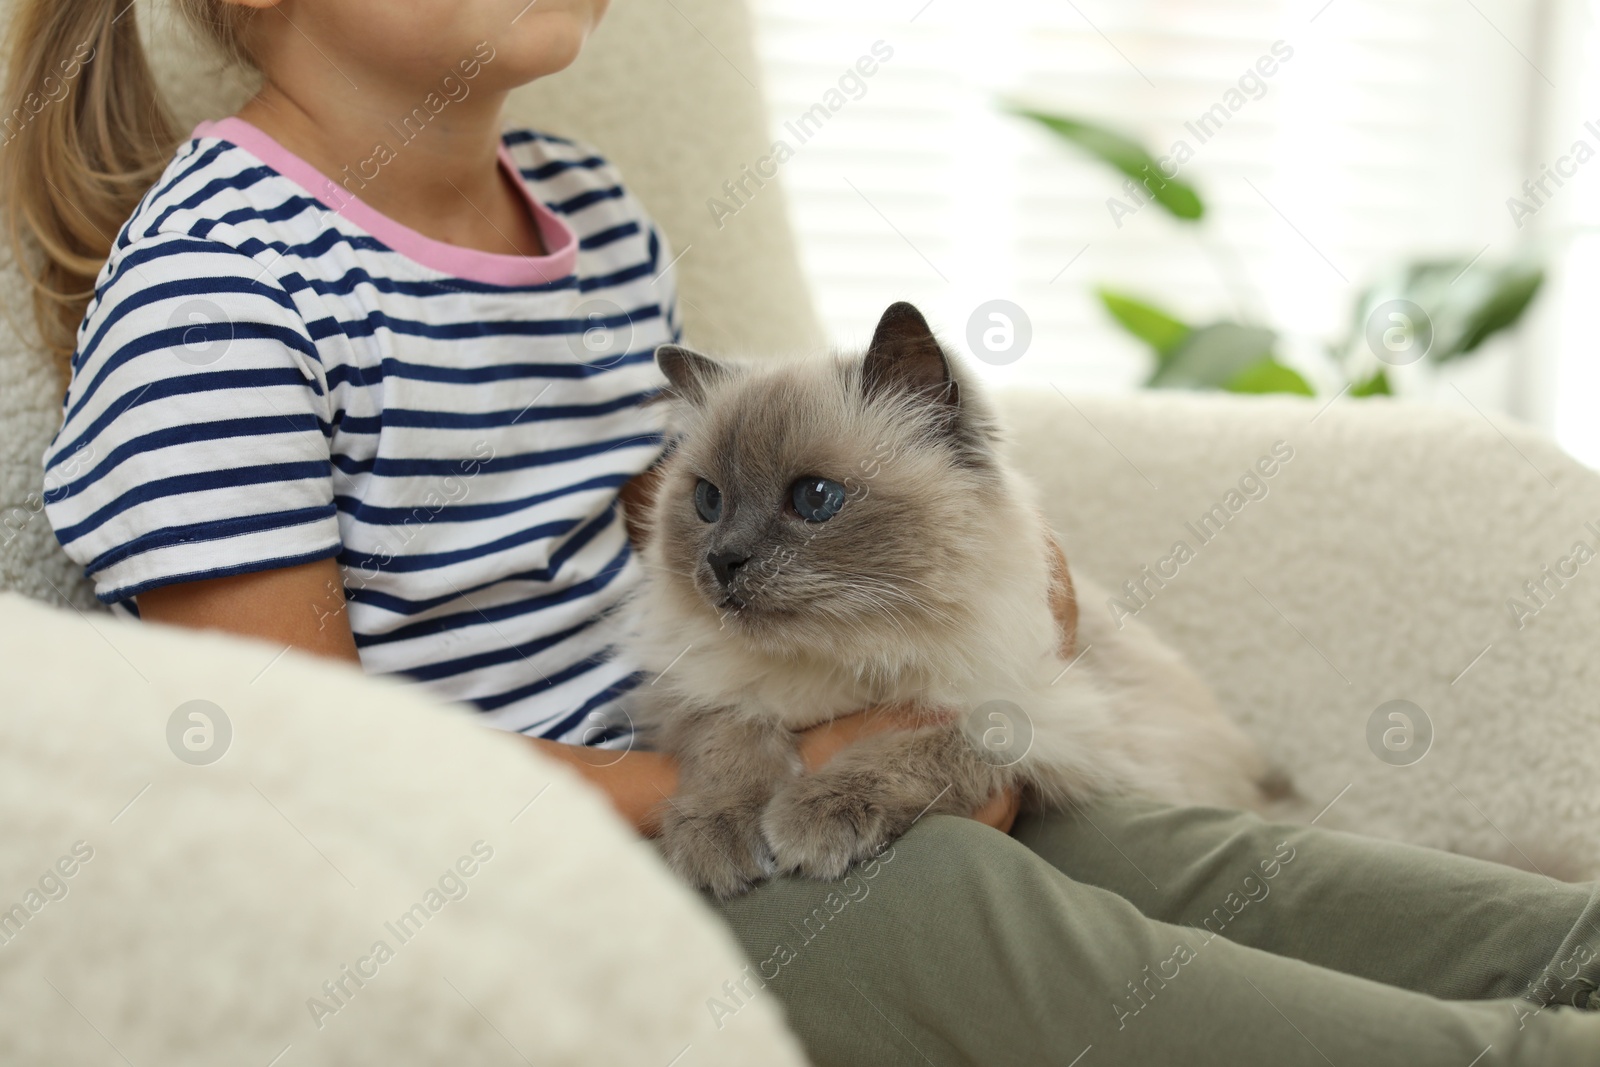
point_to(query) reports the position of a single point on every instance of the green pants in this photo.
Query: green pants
(1134, 933)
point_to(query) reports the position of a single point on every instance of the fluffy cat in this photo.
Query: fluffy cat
(835, 534)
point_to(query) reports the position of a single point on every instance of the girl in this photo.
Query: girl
(356, 372)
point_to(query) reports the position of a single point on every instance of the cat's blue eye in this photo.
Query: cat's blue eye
(708, 501)
(818, 499)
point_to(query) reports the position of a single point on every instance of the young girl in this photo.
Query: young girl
(356, 372)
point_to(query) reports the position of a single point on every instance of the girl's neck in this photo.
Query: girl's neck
(434, 171)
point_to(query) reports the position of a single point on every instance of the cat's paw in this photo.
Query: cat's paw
(821, 824)
(719, 850)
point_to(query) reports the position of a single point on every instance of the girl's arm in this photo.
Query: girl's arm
(302, 607)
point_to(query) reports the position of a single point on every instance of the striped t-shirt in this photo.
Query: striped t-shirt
(272, 372)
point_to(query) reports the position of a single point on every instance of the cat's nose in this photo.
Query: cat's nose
(724, 562)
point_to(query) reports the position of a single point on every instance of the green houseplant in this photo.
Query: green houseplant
(1441, 310)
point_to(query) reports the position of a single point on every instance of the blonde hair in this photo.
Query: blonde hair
(83, 136)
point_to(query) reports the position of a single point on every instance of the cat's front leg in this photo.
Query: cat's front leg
(729, 765)
(871, 793)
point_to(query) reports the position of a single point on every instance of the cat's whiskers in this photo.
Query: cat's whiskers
(920, 604)
(889, 671)
(879, 606)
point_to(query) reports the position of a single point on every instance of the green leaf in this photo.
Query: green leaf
(1126, 155)
(1465, 303)
(1269, 376)
(1513, 291)
(1377, 385)
(1148, 323)
(1213, 356)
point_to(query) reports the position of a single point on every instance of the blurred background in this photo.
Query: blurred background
(1321, 159)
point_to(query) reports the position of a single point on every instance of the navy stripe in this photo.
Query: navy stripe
(193, 286)
(290, 207)
(163, 245)
(128, 592)
(162, 340)
(505, 653)
(332, 236)
(196, 162)
(497, 372)
(611, 692)
(154, 248)
(244, 179)
(548, 170)
(364, 594)
(372, 515)
(189, 433)
(604, 237)
(198, 482)
(216, 530)
(549, 681)
(356, 278)
(583, 200)
(428, 561)
(202, 382)
(313, 249)
(515, 137)
(374, 321)
(394, 467)
(626, 274)
(482, 420)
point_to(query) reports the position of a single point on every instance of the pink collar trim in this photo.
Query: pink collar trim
(471, 264)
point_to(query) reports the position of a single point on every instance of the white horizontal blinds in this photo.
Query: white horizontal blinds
(1394, 128)
(891, 151)
(1566, 386)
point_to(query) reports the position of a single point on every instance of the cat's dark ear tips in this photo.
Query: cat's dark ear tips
(905, 357)
(690, 372)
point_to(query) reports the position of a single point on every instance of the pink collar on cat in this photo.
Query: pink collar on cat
(472, 264)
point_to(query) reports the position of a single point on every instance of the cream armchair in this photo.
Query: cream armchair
(184, 909)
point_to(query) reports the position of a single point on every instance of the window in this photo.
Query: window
(1386, 131)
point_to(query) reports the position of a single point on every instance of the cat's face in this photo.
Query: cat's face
(809, 502)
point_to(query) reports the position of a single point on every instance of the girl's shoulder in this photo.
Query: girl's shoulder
(217, 198)
(545, 156)
(567, 174)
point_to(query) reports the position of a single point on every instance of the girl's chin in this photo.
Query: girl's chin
(546, 40)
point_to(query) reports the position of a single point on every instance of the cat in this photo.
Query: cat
(829, 535)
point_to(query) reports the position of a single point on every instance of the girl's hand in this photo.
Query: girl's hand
(1001, 811)
(822, 742)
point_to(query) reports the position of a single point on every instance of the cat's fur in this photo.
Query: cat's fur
(931, 586)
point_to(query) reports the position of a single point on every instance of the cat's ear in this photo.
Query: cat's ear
(690, 372)
(904, 357)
